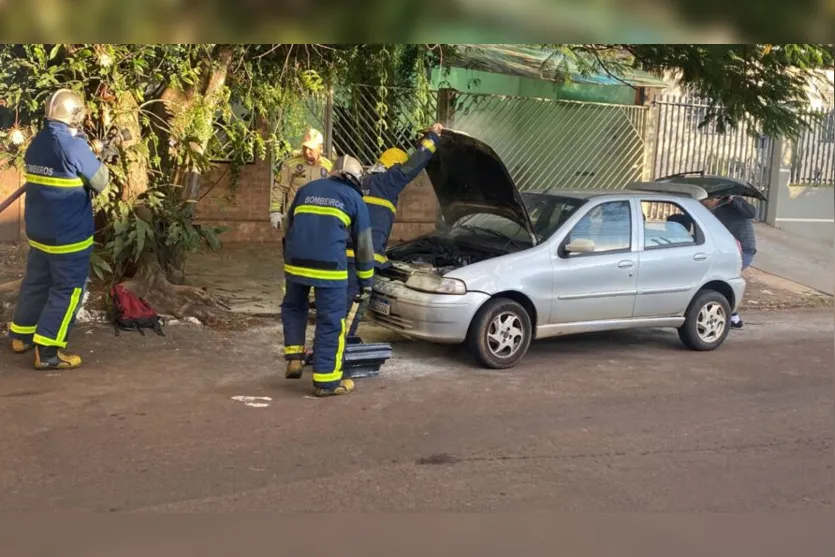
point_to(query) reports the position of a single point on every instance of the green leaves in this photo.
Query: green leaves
(763, 86)
(143, 232)
(210, 235)
(279, 89)
(100, 266)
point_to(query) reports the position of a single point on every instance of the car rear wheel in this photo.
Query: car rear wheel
(707, 321)
(500, 334)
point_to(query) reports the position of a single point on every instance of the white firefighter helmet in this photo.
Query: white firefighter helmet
(65, 106)
(348, 168)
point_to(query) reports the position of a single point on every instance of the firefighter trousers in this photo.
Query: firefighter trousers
(50, 296)
(353, 289)
(329, 338)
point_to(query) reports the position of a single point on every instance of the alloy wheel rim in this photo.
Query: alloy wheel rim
(711, 322)
(505, 335)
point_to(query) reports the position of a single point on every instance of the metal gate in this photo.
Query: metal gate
(545, 143)
(367, 120)
(813, 152)
(549, 143)
(683, 146)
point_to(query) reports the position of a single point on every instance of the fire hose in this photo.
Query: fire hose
(108, 149)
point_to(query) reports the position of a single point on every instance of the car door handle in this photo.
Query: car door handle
(625, 264)
(700, 256)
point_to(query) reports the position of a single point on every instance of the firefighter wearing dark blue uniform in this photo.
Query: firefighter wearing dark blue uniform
(381, 189)
(324, 214)
(60, 167)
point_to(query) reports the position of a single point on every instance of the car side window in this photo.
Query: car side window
(608, 226)
(666, 224)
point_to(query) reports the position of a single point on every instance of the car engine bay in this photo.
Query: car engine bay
(436, 255)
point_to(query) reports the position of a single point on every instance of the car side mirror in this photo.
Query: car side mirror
(580, 245)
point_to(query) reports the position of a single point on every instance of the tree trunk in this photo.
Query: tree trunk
(134, 158)
(8, 299)
(152, 284)
(160, 277)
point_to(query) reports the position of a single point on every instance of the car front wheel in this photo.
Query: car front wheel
(500, 334)
(707, 321)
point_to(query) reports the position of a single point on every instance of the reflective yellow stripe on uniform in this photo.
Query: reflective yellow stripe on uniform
(54, 182)
(61, 339)
(21, 330)
(292, 350)
(380, 258)
(307, 272)
(428, 145)
(349, 253)
(336, 374)
(325, 211)
(365, 274)
(340, 350)
(66, 248)
(327, 377)
(381, 202)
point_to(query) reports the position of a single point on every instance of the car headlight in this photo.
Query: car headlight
(435, 284)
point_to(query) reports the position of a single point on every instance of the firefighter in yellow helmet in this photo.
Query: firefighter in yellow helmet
(381, 189)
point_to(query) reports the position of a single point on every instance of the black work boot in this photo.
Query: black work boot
(49, 357)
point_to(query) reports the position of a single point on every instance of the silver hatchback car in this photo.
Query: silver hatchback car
(506, 267)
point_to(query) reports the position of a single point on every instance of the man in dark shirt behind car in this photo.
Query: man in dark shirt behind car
(737, 215)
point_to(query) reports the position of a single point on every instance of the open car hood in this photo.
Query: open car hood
(469, 178)
(716, 186)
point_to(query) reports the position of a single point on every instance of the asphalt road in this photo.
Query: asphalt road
(618, 422)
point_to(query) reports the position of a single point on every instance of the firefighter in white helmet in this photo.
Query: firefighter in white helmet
(60, 170)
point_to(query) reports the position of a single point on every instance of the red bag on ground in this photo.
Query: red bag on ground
(132, 313)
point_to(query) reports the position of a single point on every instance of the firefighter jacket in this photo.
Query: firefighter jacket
(59, 209)
(382, 190)
(323, 217)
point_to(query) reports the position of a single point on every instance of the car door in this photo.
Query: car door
(600, 284)
(674, 258)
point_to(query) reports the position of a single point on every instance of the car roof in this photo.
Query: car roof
(590, 193)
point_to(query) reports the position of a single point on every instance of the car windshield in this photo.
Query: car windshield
(547, 213)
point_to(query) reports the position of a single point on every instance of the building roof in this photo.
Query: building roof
(537, 63)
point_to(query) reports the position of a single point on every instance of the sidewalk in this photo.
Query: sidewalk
(794, 258)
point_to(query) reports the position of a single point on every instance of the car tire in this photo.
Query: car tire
(500, 334)
(707, 321)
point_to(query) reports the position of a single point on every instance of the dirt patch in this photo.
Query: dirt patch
(12, 261)
(769, 292)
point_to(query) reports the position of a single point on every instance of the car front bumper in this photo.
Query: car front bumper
(442, 318)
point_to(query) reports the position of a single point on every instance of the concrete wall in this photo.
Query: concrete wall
(805, 211)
